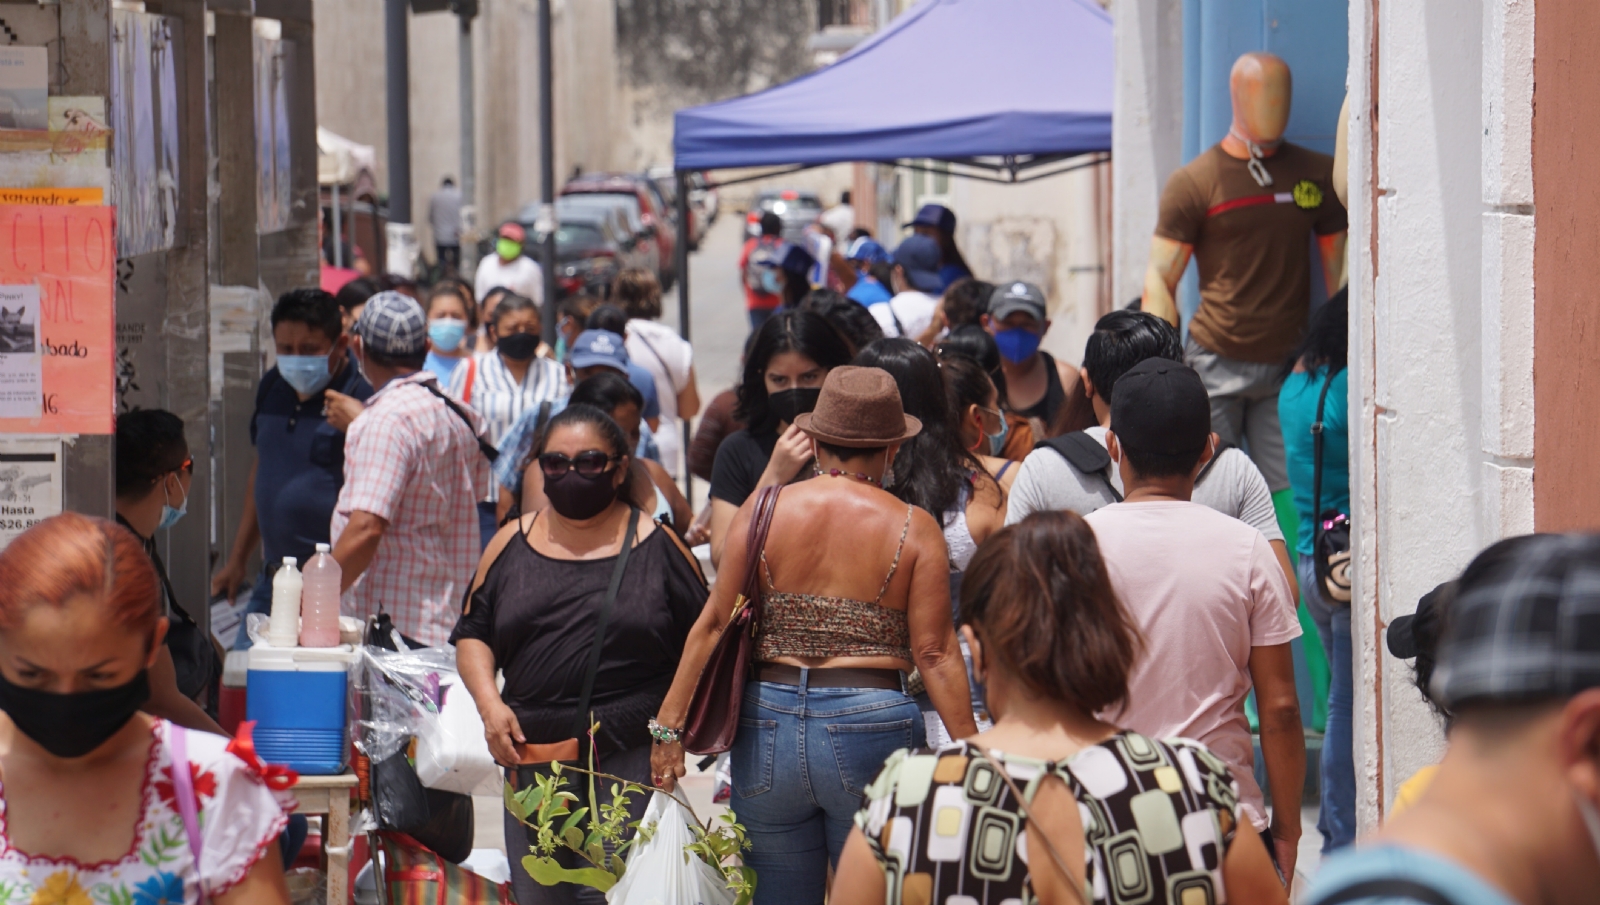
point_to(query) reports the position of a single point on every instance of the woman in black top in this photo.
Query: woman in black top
(534, 608)
(783, 372)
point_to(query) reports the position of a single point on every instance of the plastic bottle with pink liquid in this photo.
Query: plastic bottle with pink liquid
(319, 601)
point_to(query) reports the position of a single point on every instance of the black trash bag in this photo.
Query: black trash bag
(449, 827)
(441, 821)
(397, 794)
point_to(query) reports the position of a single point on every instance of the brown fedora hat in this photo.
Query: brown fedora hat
(859, 408)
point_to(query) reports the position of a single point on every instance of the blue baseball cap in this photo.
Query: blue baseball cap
(798, 261)
(920, 256)
(867, 249)
(937, 216)
(599, 349)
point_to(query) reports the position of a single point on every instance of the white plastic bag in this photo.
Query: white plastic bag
(660, 872)
(451, 752)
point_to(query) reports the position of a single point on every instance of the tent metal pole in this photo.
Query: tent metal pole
(682, 265)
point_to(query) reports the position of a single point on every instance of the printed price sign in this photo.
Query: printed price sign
(69, 254)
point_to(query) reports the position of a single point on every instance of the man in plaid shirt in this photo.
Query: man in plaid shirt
(405, 530)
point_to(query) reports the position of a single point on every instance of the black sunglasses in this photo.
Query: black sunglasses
(588, 464)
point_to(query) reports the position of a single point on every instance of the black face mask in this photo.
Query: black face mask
(787, 405)
(519, 346)
(577, 497)
(72, 725)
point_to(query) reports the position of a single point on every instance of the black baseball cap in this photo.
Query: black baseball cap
(1525, 623)
(1418, 633)
(1161, 407)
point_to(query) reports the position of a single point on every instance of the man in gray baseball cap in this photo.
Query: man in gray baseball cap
(1037, 386)
(1512, 814)
(405, 529)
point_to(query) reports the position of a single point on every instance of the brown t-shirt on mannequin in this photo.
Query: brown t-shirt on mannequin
(1252, 244)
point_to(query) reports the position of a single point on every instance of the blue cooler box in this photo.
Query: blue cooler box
(296, 697)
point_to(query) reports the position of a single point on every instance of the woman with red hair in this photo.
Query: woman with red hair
(91, 807)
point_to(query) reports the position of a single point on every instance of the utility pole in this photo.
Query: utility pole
(547, 170)
(469, 149)
(401, 235)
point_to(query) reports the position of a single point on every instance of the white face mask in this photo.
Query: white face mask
(1591, 819)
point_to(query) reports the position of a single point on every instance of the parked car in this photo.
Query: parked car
(795, 208)
(702, 199)
(656, 222)
(629, 222)
(593, 245)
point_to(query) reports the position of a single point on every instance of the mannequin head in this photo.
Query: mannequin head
(1261, 89)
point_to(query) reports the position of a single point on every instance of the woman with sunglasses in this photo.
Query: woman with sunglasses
(154, 473)
(535, 606)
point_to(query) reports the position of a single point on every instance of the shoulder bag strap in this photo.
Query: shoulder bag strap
(1085, 454)
(1316, 460)
(756, 542)
(472, 374)
(183, 791)
(1386, 889)
(671, 383)
(580, 728)
(1022, 807)
(488, 450)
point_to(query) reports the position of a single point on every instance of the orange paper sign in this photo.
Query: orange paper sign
(52, 197)
(71, 254)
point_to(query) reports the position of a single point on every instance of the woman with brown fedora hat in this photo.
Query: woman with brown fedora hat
(855, 594)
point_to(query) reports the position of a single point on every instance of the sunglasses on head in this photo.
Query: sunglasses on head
(588, 464)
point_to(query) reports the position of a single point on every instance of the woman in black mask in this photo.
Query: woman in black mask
(506, 381)
(586, 570)
(92, 801)
(783, 372)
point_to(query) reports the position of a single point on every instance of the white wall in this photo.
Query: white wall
(1146, 129)
(1441, 343)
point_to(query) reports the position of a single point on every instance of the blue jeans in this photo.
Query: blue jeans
(801, 761)
(1337, 820)
(260, 602)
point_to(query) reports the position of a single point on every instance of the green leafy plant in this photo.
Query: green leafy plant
(595, 830)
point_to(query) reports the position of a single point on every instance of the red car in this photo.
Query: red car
(645, 208)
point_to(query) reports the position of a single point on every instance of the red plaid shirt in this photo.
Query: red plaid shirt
(413, 462)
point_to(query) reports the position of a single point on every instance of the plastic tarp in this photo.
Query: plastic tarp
(340, 160)
(948, 79)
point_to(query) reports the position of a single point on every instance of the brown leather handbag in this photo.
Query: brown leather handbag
(719, 693)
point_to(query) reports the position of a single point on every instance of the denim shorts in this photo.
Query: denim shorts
(801, 762)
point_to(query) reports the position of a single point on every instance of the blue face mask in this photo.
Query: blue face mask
(997, 442)
(306, 373)
(447, 333)
(1017, 344)
(169, 515)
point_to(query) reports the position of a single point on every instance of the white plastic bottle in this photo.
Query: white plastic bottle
(284, 627)
(319, 602)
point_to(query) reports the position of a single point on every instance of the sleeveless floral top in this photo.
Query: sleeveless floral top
(1158, 820)
(239, 817)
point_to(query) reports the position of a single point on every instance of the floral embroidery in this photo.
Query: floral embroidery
(161, 889)
(205, 786)
(61, 888)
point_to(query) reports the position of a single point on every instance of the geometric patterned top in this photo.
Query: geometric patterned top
(1158, 820)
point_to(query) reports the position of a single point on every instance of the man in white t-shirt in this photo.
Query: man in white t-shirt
(510, 268)
(1066, 473)
(1208, 596)
(914, 277)
(840, 219)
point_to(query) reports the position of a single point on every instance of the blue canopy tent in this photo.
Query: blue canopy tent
(1004, 90)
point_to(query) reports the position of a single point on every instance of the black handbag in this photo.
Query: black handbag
(1330, 532)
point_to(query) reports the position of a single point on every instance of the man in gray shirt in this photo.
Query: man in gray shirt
(444, 218)
(1230, 483)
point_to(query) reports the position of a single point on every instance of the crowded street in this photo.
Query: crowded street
(799, 452)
